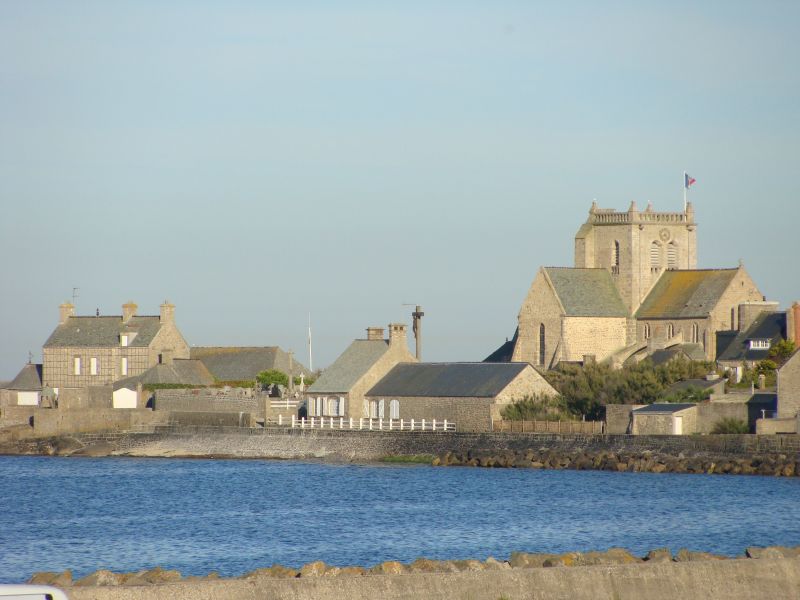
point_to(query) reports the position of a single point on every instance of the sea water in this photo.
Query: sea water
(233, 516)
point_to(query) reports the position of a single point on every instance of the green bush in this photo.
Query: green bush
(731, 425)
(538, 408)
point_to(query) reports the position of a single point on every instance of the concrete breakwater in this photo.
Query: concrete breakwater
(781, 465)
(763, 572)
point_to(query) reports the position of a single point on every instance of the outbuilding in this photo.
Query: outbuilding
(665, 419)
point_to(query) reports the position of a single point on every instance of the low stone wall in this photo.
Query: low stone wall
(211, 419)
(208, 400)
(49, 421)
(92, 397)
(16, 415)
(735, 579)
(776, 426)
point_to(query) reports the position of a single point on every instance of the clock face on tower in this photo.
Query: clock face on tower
(664, 235)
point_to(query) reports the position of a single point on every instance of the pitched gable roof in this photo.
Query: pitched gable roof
(586, 292)
(689, 351)
(663, 408)
(180, 371)
(454, 380)
(29, 378)
(101, 332)
(504, 352)
(243, 363)
(351, 366)
(686, 294)
(766, 326)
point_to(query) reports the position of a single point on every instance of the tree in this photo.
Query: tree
(781, 351)
(272, 377)
(731, 425)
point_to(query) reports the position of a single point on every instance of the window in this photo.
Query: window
(341, 406)
(695, 333)
(733, 318)
(672, 256)
(123, 365)
(76, 365)
(615, 254)
(373, 409)
(394, 409)
(670, 330)
(93, 366)
(655, 255)
(760, 344)
(381, 405)
(647, 331)
(541, 344)
(123, 339)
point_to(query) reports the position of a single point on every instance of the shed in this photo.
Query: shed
(665, 419)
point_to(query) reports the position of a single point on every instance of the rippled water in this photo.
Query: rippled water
(232, 516)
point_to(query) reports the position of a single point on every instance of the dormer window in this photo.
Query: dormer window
(760, 344)
(123, 339)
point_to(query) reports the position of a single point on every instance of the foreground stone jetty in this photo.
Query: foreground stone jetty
(779, 465)
(763, 572)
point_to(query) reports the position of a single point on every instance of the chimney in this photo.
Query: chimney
(793, 323)
(167, 312)
(65, 311)
(762, 381)
(374, 333)
(748, 311)
(397, 333)
(128, 311)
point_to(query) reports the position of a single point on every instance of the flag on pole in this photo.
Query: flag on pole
(688, 180)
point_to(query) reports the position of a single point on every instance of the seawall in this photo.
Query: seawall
(711, 579)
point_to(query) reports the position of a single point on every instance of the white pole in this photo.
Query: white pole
(684, 192)
(310, 361)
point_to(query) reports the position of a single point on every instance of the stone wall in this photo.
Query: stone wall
(789, 387)
(16, 415)
(48, 421)
(776, 426)
(539, 307)
(618, 417)
(98, 397)
(600, 336)
(209, 400)
(529, 382)
(711, 413)
(212, 419)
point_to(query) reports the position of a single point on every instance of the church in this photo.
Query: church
(635, 289)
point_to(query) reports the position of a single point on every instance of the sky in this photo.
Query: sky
(259, 162)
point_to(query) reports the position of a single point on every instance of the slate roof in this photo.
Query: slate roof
(504, 352)
(663, 408)
(351, 366)
(99, 332)
(29, 378)
(586, 292)
(690, 351)
(686, 294)
(243, 363)
(183, 371)
(766, 326)
(454, 380)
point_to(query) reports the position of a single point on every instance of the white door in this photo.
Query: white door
(677, 425)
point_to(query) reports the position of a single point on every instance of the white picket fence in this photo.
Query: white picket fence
(368, 424)
(283, 403)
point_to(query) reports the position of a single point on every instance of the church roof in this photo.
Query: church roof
(102, 332)
(586, 292)
(686, 294)
(351, 366)
(504, 352)
(29, 378)
(448, 380)
(243, 363)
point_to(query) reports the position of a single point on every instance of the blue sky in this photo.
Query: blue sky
(254, 162)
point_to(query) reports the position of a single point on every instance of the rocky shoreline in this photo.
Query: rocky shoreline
(778, 465)
(316, 569)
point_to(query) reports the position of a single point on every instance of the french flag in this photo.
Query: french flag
(688, 180)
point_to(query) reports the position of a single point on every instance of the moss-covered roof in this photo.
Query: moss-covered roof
(686, 294)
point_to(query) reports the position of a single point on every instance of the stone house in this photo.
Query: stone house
(127, 393)
(25, 389)
(98, 350)
(664, 419)
(789, 388)
(340, 389)
(470, 395)
(635, 289)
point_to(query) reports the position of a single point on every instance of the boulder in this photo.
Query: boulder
(390, 567)
(50, 578)
(351, 571)
(468, 565)
(570, 559)
(612, 556)
(313, 569)
(685, 555)
(101, 577)
(492, 564)
(659, 555)
(772, 552)
(425, 565)
(277, 571)
(153, 576)
(527, 561)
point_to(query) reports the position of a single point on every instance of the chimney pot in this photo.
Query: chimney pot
(128, 311)
(167, 312)
(397, 333)
(374, 333)
(65, 311)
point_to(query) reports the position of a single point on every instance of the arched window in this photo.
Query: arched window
(655, 255)
(670, 330)
(733, 318)
(381, 406)
(373, 409)
(647, 331)
(615, 254)
(695, 333)
(672, 255)
(541, 344)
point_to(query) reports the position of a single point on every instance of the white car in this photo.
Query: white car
(13, 591)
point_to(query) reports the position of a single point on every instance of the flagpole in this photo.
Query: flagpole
(684, 192)
(310, 362)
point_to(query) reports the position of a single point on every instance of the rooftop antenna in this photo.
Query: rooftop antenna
(417, 327)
